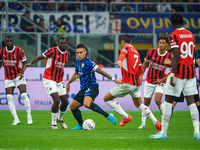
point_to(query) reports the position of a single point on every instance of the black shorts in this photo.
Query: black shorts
(181, 98)
(92, 91)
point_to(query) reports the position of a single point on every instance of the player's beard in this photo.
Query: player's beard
(9, 47)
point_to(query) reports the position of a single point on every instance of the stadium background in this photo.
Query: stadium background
(97, 24)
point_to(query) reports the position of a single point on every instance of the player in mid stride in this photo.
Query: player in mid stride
(182, 77)
(14, 59)
(131, 68)
(85, 69)
(56, 58)
(156, 76)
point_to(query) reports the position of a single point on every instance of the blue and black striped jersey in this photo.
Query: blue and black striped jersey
(86, 70)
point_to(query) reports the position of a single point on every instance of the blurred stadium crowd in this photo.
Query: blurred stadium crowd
(164, 6)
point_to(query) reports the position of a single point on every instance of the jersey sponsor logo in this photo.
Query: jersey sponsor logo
(185, 35)
(59, 64)
(157, 66)
(10, 62)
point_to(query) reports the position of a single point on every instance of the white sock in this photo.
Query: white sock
(54, 118)
(161, 107)
(117, 108)
(195, 117)
(144, 117)
(60, 115)
(11, 106)
(27, 104)
(167, 112)
(148, 112)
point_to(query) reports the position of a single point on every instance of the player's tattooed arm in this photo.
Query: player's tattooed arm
(102, 72)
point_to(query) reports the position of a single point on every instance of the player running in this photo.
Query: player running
(56, 58)
(156, 76)
(182, 77)
(131, 68)
(85, 69)
(14, 59)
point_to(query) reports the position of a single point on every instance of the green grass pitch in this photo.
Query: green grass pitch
(104, 136)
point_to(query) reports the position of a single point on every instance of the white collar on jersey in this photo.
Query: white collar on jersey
(180, 28)
(162, 54)
(61, 51)
(10, 50)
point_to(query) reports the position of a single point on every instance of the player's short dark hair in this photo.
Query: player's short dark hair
(126, 38)
(62, 38)
(176, 19)
(9, 37)
(163, 38)
(80, 46)
(27, 12)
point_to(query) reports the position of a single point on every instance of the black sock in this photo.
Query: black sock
(98, 109)
(198, 107)
(172, 113)
(78, 116)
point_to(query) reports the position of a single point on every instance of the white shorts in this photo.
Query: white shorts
(15, 82)
(53, 87)
(187, 86)
(125, 89)
(150, 89)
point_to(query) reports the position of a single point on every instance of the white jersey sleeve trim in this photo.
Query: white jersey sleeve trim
(175, 46)
(44, 55)
(24, 60)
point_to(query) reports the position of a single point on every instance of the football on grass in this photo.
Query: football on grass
(88, 124)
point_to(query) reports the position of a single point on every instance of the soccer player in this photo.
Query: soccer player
(182, 77)
(156, 76)
(181, 97)
(131, 68)
(56, 58)
(14, 59)
(85, 69)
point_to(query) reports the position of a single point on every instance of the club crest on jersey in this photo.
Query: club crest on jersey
(50, 88)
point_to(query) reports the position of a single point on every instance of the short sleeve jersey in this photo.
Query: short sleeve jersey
(55, 62)
(157, 68)
(12, 61)
(86, 70)
(183, 39)
(132, 67)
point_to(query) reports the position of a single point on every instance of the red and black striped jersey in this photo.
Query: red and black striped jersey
(55, 62)
(183, 39)
(12, 61)
(157, 68)
(132, 67)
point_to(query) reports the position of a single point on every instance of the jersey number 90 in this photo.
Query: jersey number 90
(187, 49)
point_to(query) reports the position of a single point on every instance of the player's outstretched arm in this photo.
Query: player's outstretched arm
(119, 63)
(72, 79)
(33, 61)
(100, 71)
